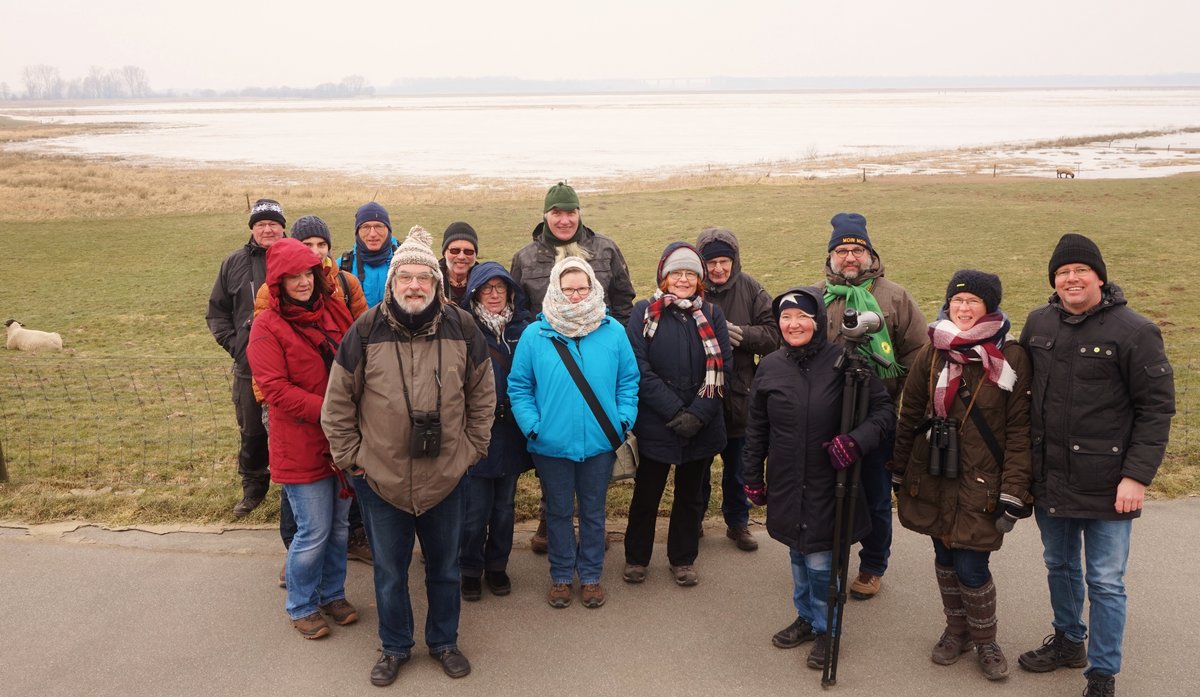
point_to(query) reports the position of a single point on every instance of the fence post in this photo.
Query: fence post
(3, 467)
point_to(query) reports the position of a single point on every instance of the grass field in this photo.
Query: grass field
(125, 278)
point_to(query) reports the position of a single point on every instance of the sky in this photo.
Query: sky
(229, 44)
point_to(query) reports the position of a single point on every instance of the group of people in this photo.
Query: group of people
(418, 390)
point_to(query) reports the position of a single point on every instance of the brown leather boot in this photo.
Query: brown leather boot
(956, 640)
(540, 543)
(980, 604)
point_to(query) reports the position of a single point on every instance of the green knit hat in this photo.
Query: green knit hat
(562, 197)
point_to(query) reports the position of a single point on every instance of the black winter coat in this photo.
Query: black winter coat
(1103, 398)
(231, 304)
(672, 371)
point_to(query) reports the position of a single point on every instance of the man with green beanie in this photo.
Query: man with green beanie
(854, 280)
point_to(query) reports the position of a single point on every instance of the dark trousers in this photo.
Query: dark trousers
(877, 486)
(970, 565)
(735, 507)
(253, 457)
(683, 533)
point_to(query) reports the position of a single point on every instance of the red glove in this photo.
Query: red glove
(843, 451)
(757, 493)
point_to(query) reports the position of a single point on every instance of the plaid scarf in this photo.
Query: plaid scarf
(859, 298)
(979, 344)
(714, 365)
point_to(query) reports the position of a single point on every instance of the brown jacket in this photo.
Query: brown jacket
(962, 511)
(366, 412)
(906, 325)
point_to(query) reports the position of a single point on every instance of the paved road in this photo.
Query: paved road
(88, 611)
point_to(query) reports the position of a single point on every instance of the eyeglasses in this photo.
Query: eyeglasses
(465, 251)
(719, 263)
(489, 289)
(683, 273)
(1079, 271)
(581, 292)
(967, 302)
(372, 227)
(842, 252)
(404, 278)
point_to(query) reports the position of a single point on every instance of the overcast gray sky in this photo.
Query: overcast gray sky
(223, 44)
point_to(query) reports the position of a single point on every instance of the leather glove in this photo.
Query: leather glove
(843, 451)
(1009, 515)
(735, 334)
(757, 493)
(685, 424)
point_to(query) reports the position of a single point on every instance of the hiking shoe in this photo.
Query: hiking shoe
(794, 634)
(1100, 685)
(742, 538)
(472, 588)
(560, 595)
(386, 669)
(540, 543)
(498, 582)
(820, 650)
(634, 573)
(311, 627)
(685, 575)
(283, 576)
(243, 508)
(865, 586)
(341, 611)
(453, 662)
(992, 661)
(947, 650)
(358, 548)
(1055, 652)
(592, 594)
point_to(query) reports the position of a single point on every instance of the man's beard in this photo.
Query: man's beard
(414, 306)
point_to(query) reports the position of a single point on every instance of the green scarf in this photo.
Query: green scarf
(859, 298)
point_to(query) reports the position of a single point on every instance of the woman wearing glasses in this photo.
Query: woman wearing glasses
(573, 456)
(684, 356)
(460, 247)
(969, 385)
(498, 305)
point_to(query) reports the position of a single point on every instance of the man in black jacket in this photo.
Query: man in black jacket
(1103, 398)
(230, 309)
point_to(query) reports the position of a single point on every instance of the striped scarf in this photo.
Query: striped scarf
(979, 344)
(714, 365)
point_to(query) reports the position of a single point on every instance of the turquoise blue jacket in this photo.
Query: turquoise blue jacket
(546, 401)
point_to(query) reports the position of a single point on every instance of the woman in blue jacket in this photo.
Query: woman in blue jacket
(497, 303)
(684, 357)
(573, 457)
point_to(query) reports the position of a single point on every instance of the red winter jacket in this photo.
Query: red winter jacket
(289, 351)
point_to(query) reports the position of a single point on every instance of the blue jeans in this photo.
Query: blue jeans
(564, 481)
(877, 486)
(735, 507)
(1105, 546)
(970, 565)
(391, 532)
(810, 587)
(487, 535)
(316, 559)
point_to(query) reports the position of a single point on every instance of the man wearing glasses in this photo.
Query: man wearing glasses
(372, 253)
(460, 247)
(854, 280)
(1103, 398)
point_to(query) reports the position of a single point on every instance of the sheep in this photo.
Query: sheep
(22, 339)
(1065, 172)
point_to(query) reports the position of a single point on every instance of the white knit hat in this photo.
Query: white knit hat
(417, 248)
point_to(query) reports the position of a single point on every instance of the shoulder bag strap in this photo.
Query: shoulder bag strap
(588, 396)
(989, 438)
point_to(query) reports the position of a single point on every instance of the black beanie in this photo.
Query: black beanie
(311, 226)
(717, 248)
(267, 209)
(979, 283)
(459, 231)
(849, 228)
(1074, 248)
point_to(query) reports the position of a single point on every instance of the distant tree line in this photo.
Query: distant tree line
(131, 82)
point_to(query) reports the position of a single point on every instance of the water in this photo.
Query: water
(597, 137)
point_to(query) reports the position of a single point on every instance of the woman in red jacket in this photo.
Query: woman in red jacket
(292, 345)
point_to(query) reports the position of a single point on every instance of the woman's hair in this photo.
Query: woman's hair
(571, 249)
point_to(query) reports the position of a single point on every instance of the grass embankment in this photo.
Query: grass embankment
(125, 280)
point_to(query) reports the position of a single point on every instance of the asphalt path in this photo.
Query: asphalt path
(197, 611)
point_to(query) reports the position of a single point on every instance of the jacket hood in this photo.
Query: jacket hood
(482, 273)
(289, 257)
(720, 234)
(819, 321)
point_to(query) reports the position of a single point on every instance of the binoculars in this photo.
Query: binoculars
(426, 438)
(943, 447)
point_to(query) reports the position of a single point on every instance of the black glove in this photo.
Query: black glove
(897, 482)
(685, 424)
(1009, 515)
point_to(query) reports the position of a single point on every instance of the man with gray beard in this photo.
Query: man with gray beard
(418, 355)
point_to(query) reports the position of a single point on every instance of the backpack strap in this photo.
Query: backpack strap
(345, 289)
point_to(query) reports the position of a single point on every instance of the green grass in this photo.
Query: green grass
(128, 295)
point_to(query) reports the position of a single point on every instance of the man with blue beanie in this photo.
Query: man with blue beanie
(372, 253)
